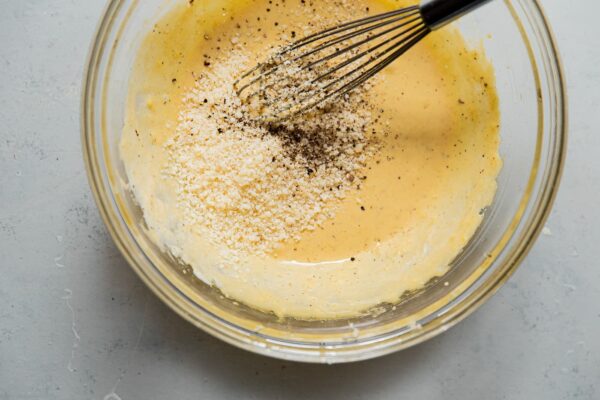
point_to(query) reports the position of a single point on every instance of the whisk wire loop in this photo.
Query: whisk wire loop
(337, 60)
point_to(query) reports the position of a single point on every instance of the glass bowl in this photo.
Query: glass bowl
(517, 39)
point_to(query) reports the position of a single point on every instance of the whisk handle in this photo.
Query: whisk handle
(437, 13)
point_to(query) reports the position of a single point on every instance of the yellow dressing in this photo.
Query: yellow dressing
(419, 200)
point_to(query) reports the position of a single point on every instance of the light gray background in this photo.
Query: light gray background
(76, 323)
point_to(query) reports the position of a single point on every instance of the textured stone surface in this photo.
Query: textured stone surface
(76, 323)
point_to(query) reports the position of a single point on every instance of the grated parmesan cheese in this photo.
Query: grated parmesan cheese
(250, 186)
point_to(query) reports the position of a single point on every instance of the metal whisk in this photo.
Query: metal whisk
(333, 62)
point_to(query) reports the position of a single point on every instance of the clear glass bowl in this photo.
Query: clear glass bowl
(517, 39)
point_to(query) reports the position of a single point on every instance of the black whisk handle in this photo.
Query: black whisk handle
(437, 13)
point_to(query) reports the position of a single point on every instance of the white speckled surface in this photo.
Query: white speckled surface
(76, 323)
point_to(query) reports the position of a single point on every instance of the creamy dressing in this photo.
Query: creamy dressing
(424, 190)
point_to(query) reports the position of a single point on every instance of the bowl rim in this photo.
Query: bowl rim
(262, 344)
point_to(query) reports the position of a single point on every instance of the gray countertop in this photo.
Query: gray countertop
(77, 323)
